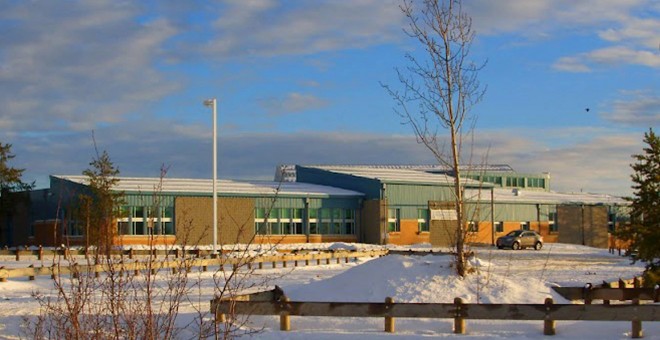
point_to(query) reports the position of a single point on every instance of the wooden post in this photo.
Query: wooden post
(295, 263)
(31, 277)
(338, 260)
(637, 331)
(637, 282)
(306, 262)
(261, 265)
(274, 264)
(3, 279)
(285, 319)
(327, 261)
(346, 259)
(219, 317)
(318, 262)
(459, 322)
(204, 268)
(40, 254)
(283, 262)
(130, 253)
(548, 323)
(656, 295)
(249, 265)
(586, 293)
(18, 254)
(389, 321)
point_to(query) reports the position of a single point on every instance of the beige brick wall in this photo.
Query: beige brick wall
(583, 225)
(373, 221)
(194, 220)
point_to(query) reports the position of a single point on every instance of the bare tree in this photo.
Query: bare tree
(439, 88)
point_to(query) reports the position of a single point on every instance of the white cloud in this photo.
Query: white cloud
(571, 64)
(293, 102)
(594, 160)
(268, 28)
(639, 108)
(79, 65)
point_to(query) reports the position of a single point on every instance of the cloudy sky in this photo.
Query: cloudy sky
(300, 82)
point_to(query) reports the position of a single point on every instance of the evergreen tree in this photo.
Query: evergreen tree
(644, 231)
(100, 209)
(10, 178)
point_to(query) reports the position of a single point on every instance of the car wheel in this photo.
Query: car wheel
(538, 246)
(515, 246)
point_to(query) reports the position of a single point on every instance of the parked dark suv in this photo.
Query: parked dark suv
(521, 239)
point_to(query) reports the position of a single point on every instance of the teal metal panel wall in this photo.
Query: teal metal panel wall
(369, 187)
(509, 212)
(408, 198)
(146, 200)
(314, 203)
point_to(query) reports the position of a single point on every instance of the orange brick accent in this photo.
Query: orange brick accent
(408, 234)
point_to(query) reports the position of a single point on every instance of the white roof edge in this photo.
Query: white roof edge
(204, 186)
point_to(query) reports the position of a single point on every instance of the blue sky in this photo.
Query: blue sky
(299, 82)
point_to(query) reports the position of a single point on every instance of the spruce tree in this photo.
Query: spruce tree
(101, 207)
(644, 231)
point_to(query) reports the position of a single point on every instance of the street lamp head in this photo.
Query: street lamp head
(209, 102)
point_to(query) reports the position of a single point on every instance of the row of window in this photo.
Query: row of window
(289, 221)
(514, 182)
(137, 220)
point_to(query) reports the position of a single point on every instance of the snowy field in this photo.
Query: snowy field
(502, 276)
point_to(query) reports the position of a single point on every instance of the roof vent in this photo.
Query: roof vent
(517, 192)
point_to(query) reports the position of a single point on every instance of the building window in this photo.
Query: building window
(313, 224)
(473, 227)
(137, 220)
(297, 222)
(552, 222)
(611, 223)
(423, 220)
(393, 220)
(525, 225)
(349, 221)
(73, 229)
(499, 227)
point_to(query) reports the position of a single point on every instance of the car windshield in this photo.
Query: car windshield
(515, 233)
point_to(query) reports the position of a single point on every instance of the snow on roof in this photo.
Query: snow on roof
(205, 186)
(396, 175)
(524, 196)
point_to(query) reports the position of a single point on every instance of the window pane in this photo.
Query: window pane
(313, 213)
(313, 228)
(259, 213)
(297, 213)
(285, 213)
(349, 213)
(325, 214)
(336, 214)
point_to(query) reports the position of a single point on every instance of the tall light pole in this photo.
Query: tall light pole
(214, 105)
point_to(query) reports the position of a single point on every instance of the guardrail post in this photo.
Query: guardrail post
(459, 321)
(637, 331)
(389, 321)
(285, 319)
(548, 323)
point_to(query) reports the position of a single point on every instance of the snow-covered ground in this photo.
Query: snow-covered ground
(501, 276)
